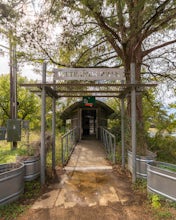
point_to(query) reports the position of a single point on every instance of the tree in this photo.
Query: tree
(116, 33)
(110, 33)
(156, 115)
(28, 103)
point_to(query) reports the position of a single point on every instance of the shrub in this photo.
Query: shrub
(164, 146)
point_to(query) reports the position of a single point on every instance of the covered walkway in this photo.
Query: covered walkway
(88, 83)
(88, 155)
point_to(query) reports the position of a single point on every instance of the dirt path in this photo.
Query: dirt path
(103, 195)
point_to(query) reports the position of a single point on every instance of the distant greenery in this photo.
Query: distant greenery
(170, 168)
(7, 155)
(165, 147)
(156, 117)
(28, 102)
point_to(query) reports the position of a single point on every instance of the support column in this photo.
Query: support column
(43, 127)
(123, 130)
(13, 82)
(80, 124)
(53, 128)
(133, 121)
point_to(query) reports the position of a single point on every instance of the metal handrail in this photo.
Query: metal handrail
(68, 143)
(109, 141)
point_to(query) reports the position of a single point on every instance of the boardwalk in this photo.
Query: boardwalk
(88, 155)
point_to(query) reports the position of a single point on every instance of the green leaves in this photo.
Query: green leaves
(29, 105)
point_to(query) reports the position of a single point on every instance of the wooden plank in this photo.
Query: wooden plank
(88, 91)
(87, 84)
(90, 74)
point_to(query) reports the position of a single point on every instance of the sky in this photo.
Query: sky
(27, 70)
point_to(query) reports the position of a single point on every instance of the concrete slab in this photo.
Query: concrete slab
(88, 168)
(88, 180)
(47, 200)
(81, 189)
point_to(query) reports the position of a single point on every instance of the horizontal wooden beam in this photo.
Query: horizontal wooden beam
(88, 91)
(87, 84)
(78, 95)
(124, 89)
(103, 96)
(79, 91)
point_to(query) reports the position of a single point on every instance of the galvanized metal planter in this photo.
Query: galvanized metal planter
(141, 164)
(31, 165)
(161, 179)
(11, 182)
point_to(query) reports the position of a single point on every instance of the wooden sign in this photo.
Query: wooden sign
(90, 74)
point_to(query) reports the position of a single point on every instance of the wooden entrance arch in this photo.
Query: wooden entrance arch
(78, 82)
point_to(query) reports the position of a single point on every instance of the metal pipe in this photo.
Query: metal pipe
(123, 130)
(70, 139)
(13, 81)
(53, 129)
(62, 150)
(43, 127)
(114, 152)
(133, 121)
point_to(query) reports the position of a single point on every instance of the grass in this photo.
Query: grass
(161, 208)
(141, 185)
(7, 155)
(11, 211)
(170, 168)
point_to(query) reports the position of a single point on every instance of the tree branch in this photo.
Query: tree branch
(110, 34)
(94, 46)
(50, 58)
(5, 111)
(158, 11)
(144, 53)
(155, 75)
(159, 26)
(108, 58)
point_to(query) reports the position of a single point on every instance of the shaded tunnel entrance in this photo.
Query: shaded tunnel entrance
(89, 124)
(87, 119)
